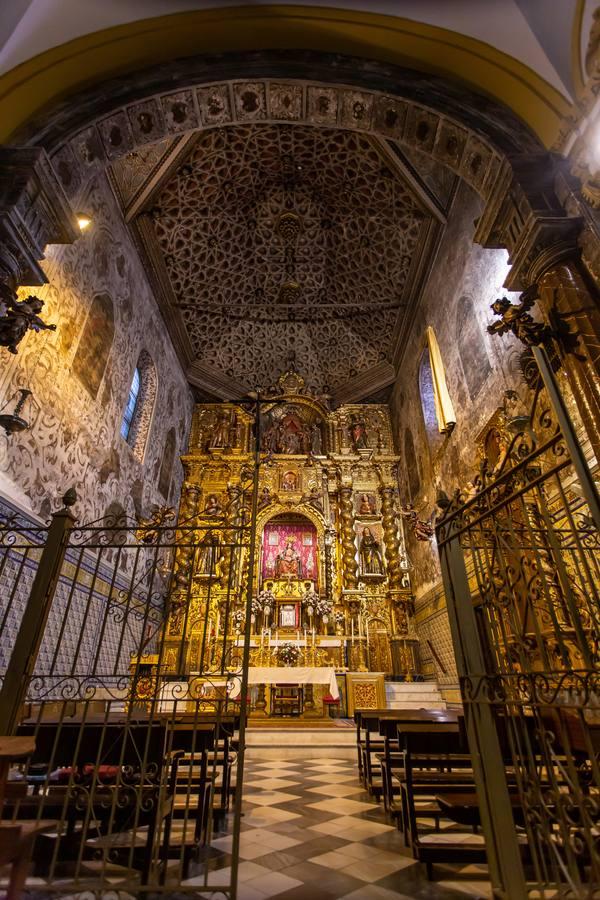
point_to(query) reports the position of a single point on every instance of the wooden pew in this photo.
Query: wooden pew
(435, 763)
(391, 758)
(16, 837)
(129, 771)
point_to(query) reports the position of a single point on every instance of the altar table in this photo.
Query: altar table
(294, 675)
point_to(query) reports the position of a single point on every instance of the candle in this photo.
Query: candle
(367, 631)
(313, 635)
(305, 637)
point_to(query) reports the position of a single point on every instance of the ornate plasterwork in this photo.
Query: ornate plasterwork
(281, 238)
(193, 108)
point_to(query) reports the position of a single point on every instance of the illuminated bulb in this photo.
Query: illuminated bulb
(83, 221)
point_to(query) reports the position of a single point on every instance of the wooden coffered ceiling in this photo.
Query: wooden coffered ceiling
(272, 243)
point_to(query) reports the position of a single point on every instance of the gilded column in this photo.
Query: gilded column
(390, 536)
(183, 564)
(347, 534)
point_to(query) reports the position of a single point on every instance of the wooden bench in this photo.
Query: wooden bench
(434, 762)
(123, 787)
(17, 837)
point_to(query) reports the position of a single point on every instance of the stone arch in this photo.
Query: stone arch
(135, 128)
(139, 430)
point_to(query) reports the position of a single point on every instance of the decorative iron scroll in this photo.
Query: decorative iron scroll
(520, 556)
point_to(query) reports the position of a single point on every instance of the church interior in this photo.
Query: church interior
(299, 449)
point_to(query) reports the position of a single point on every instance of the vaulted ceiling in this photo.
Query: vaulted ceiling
(276, 243)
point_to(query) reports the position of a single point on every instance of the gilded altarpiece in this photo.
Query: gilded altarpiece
(331, 572)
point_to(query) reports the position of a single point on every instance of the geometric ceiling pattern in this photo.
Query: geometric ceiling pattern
(288, 242)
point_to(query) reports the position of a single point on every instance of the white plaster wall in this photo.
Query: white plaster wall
(49, 23)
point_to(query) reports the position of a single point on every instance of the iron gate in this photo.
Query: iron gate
(521, 567)
(123, 652)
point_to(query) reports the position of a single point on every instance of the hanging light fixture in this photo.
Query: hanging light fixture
(14, 422)
(84, 221)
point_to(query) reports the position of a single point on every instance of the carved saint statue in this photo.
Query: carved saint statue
(358, 433)
(371, 560)
(265, 497)
(212, 507)
(209, 554)
(288, 562)
(19, 318)
(221, 433)
(316, 441)
(516, 318)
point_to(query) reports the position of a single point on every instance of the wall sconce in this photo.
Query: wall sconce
(83, 220)
(13, 422)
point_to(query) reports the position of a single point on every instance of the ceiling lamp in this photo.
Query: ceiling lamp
(84, 221)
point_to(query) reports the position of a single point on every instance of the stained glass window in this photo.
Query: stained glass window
(134, 393)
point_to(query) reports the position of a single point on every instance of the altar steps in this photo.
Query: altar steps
(300, 743)
(413, 695)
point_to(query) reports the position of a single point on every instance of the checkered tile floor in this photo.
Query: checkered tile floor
(310, 832)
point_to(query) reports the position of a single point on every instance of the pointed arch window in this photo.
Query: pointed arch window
(131, 406)
(137, 415)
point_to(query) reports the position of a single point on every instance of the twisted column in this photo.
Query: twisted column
(390, 536)
(347, 535)
(184, 559)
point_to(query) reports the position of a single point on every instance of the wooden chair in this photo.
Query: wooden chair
(286, 700)
(16, 837)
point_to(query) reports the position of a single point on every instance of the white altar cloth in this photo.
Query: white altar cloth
(292, 675)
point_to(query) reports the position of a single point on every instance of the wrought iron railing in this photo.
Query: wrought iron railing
(110, 657)
(521, 564)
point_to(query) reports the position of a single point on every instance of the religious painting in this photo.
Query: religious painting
(290, 550)
(370, 551)
(288, 615)
(95, 344)
(290, 481)
(365, 504)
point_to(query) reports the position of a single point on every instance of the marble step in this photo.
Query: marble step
(413, 695)
(307, 743)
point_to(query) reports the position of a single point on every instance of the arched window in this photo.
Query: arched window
(166, 466)
(131, 406)
(438, 412)
(137, 416)
(95, 344)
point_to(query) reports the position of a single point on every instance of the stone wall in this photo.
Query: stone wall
(479, 367)
(76, 410)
